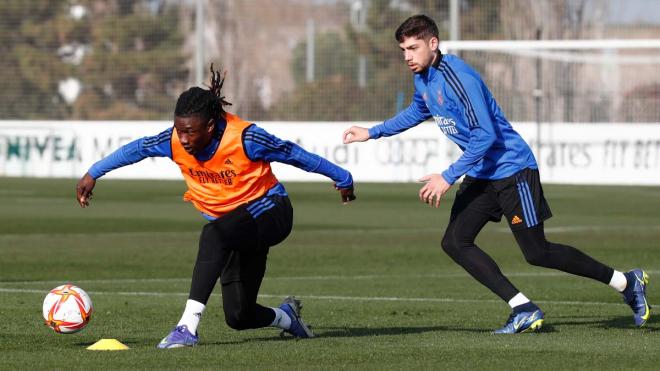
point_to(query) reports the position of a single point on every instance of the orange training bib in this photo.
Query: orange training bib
(229, 178)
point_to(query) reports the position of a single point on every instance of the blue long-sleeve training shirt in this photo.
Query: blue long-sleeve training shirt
(259, 146)
(453, 94)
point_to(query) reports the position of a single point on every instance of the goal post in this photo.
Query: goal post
(615, 80)
(555, 83)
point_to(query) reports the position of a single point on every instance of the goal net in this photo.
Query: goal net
(569, 80)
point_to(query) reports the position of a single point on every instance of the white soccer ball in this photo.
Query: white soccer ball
(67, 309)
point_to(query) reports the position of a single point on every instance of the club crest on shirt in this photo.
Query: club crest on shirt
(440, 99)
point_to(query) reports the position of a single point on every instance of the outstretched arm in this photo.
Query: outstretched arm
(263, 146)
(415, 114)
(135, 151)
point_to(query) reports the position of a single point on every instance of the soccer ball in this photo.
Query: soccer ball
(67, 309)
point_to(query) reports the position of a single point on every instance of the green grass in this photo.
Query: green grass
(377, 288)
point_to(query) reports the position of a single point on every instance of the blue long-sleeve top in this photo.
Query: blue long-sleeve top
(259, 145)
(459, 101)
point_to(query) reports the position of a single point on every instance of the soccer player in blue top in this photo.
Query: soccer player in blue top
(226, 164)
(501, 178)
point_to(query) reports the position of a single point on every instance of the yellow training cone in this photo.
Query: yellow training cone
(108, 344)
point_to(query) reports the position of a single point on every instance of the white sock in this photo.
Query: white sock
(281, 320)
(618, 281)
(191, 315)
(517, 300)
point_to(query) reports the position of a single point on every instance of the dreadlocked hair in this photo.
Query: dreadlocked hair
(202, 102)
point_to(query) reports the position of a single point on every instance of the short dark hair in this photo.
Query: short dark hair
(202, 102)
(418, 26)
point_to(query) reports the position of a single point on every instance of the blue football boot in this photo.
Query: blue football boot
(522, 322)
(178, 338)
(292, 306)
(635, 295)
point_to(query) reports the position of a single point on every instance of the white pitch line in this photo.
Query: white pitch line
(496, 229)
(597, 228)
(118, 293)
(322, 297)
(304, 278)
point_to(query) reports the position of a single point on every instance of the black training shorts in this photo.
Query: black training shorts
(518, 197)
(244, 241)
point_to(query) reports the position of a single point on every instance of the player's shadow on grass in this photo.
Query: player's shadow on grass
(337, 332)
(388, 331)
(620, 322)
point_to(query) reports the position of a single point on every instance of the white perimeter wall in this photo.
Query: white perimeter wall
(570, 153)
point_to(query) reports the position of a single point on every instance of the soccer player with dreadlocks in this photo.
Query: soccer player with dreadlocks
(225, 162)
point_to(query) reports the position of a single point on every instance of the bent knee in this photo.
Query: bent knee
(537, 259)
(238, 321)
(449, 244)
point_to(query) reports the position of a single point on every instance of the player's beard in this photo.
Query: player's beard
(418, 69)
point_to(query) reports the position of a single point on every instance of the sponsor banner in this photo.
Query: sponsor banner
(402, 158)
(569, 153)
(624, 154)
(68, 149)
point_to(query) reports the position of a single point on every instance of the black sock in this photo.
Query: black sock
(540, 252)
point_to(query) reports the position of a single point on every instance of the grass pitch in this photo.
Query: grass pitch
(376, 286)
